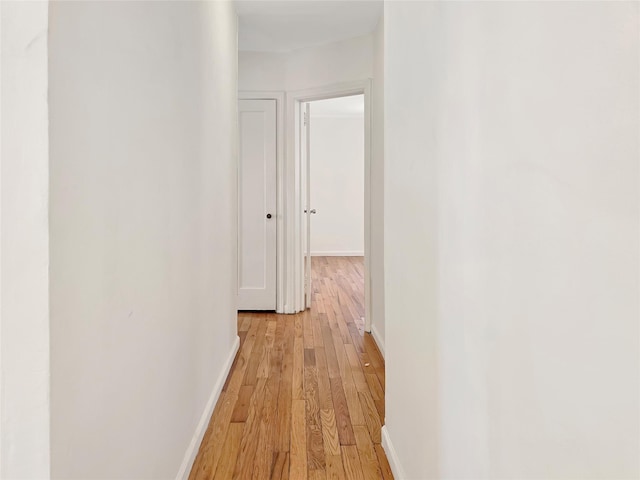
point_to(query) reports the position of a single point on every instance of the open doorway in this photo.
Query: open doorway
(356, 103)
(333, 167)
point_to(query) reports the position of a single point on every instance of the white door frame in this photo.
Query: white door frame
(294, 203)
(279, 97)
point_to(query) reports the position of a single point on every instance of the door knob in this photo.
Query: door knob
(313, 211)
(268, 215)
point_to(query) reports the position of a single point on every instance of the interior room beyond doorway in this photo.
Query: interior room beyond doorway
(337, 176)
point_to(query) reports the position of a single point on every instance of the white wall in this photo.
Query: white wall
(24, 251)
(143, 111)
(377, 189)
(337, 185)
(348, 60)
(512, 239)
(262, 71)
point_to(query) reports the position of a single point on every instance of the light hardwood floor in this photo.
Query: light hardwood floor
(305, 396)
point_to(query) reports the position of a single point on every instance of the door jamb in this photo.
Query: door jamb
(293, 201)
(279, 97)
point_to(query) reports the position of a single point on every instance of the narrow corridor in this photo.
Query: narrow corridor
(305, 396)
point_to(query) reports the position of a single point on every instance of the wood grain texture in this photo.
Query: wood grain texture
(230, 450)
(241, 409)
(368, 458)
(335, 470)
(298, 454)
(305, 396)
(329, 432)
(383, 462)
(280, 466)
(351, 463)
(212, 445)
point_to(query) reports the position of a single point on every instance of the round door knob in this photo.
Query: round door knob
(268, 215)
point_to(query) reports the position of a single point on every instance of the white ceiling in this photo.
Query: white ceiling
(282, 26)
(352, 106)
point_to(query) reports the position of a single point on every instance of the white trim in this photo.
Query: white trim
(192, 450)
(281, 270)
(339, 253)
(378, 339)
(392, 456)
(294, 275)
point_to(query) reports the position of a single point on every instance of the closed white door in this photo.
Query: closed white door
(257, 205)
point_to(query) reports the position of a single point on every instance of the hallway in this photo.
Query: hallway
(305, 396)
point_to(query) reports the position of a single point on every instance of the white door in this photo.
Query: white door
(305, 133)
(257, 205)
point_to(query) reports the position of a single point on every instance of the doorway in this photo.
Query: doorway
(257, 212)
(300, 221)
(333, 164)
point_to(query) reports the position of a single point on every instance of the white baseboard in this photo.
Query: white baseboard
(192, 451)
(341, 253)
(376, 336)
(392, 456)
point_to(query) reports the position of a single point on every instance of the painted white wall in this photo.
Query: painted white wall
(262, 71)
(512, 239)
(337, 184)
(24, 251)
(286, 26)
(344, 61)
(377, 189)
(143, 112)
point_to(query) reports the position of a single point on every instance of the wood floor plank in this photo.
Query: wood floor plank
(351, 463)
(341, 356)
(283, 434)
(241, 408)
(319, 303)
(264, 364)
(317, 475)
(298, 454)
(368, 457)
(318, 320)
(280, 466)
(210, 451)
(250, 436)
(236, 377)
(377, 393)
(330, 351)
(324, 387)
(309, 357)
(344, 331)
(297, 323)
(335, 470)
(375, 357)
(263, 459)
(245, 324)
(330, 432)
(353, 401)
(298, 369)
(383, 462)
(230, 450)
(307, 330)
(341, 409)
(251, 374)
(356, 368)
(315, 449)
(371, 416)
(374, 386)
